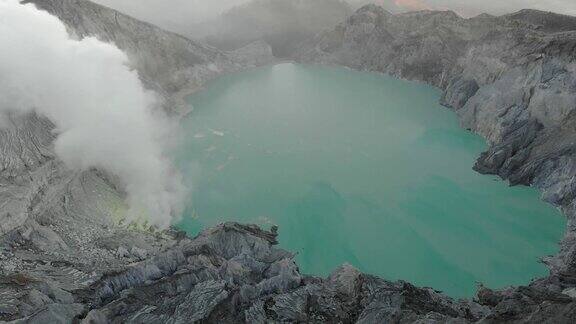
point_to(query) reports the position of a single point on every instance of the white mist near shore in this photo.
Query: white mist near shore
(103, 116)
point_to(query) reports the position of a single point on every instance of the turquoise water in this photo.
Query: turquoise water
(360, 168)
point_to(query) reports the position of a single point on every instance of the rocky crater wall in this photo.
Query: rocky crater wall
(66, 257)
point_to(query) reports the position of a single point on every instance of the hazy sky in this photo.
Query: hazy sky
(475, 7)
(180, 14)
(176, 15)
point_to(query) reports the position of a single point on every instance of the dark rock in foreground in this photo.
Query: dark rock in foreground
(234, 273)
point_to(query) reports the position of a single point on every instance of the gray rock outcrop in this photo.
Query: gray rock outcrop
(236, 274)
(231, 274)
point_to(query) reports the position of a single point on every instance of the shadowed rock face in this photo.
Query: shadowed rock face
(234, 273)
(64, 258)
(512, 79)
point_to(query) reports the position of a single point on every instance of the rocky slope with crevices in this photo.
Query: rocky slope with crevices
(232, 274)
(168, 63)
(236, 274)
(511, 79)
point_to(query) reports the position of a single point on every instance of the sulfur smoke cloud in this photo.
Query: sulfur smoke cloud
(104, 118)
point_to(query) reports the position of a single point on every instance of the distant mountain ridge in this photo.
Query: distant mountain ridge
(281, 23)
(545, 21)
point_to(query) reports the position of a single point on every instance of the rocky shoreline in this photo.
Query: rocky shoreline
(67, 257)
(511, 79)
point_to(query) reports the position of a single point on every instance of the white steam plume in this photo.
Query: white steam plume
(103, 116)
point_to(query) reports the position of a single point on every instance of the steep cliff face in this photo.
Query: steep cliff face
(166, 62)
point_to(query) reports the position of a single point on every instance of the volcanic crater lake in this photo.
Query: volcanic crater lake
(360, 168)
